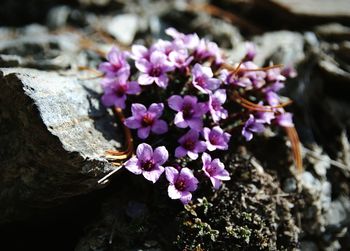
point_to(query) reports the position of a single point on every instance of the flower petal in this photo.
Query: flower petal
(159, 127)
(138, 110)
(192, 155)
(195, 124)
(145, 79)
(156, 109)
(132, 123)
(206, 71)
(216, 182)
(205, 133)
(171, 174)
(173, 192)
(105, 67)
(185, 197)
(113, 55)
(143, 65)
(143, 132)
(160, 155)
(206, 159)
(211, 147)
(108, 99)
(200, 146)
(154, 174)
(191, 100)
(191, 181)
(180, 152)
(133, 88)
(247, 134)
(257, 127)
(175, 102)
(285, 120)
(223, 175)
(132, 166)
(138, 51)
(213, 84)
(120, 102)
(144, 151)
(157, 58)
(162, 81)
(220, 95)
(179, 120)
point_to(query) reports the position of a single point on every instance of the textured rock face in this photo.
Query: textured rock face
(53, 135)
(316, 8)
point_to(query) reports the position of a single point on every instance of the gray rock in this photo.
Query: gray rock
(308, 246)
(333, 31)
(333, 70)
(290, 185)
(34, 47)
(95, 2)
(281, 47)
(123, 27)
(315, 8)
(53, 136)
(228, 36)
(338, 214)
(10, 61)
(58, 16)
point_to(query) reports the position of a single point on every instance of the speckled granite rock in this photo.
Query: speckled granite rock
(53, 135)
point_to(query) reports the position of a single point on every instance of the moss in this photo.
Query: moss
(242, 215)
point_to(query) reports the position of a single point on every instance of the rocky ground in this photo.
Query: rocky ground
(54, 131)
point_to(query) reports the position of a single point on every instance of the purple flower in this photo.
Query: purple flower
(182, 183)
(207, 49)
(139, 52)
(190, 112)
(190, 145)
(289, 72)
(216, 138)
(251, 126)
(215, 170)
(148, 162)
(264, 117)
(164, 46)
(246, 79)
(154, 70)
(215, 52)
(238, 79)
(116, 65)
(285, 119)
(147, 120)
(189, 41)
(257, 78)
(274, 75)
(180, 59)
(274, 87)
(251, 51)
(216, 101)
(203, 79)
(115, 91)
(272, 98)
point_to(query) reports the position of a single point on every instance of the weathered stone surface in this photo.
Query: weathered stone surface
(34, 47)
(53, 135)
(279, 47)
(333, 31)
(334, 71)
(122, 27)
(282, 47)
(315, 8)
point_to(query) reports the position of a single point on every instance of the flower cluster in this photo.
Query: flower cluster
(184, 103)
